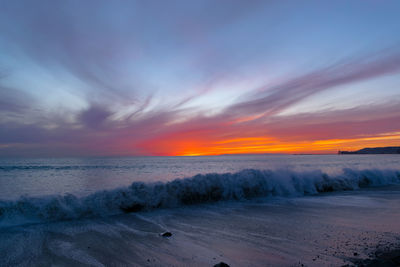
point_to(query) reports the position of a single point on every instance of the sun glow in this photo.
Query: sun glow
(185, 146)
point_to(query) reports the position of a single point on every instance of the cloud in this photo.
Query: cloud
(272, 100)
(94, 117)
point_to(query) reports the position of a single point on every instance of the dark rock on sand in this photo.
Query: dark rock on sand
(132, 208)
(166, 234)
(221, 264)
(386, 259)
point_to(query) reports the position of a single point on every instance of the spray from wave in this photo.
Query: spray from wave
(202, 188)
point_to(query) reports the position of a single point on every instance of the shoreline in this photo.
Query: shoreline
(356, 228)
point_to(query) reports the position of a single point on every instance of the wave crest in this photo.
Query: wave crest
(202, 188)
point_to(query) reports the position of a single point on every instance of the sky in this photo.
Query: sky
(132, 78)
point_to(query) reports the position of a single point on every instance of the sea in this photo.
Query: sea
(243, 210)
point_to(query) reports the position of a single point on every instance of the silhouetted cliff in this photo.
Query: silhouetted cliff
(375, 150)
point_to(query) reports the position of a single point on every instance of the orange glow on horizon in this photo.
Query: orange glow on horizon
(194, 144)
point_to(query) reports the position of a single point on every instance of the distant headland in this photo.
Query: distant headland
(375, 150)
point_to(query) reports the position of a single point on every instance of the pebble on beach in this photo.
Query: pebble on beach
(166, 234)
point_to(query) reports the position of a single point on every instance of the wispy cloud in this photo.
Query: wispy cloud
(272, 100)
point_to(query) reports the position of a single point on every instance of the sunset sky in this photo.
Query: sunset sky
(117, 78)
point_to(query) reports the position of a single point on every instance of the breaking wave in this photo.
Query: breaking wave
(202, 188)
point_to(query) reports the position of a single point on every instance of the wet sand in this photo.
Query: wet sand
(333, 229)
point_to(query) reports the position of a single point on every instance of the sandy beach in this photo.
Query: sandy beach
(332, 229)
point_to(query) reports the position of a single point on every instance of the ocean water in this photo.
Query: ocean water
(253, 210)
(84, 176)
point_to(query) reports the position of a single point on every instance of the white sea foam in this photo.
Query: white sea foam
(202, 188)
